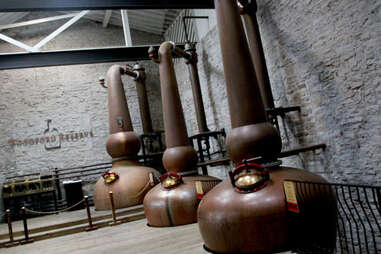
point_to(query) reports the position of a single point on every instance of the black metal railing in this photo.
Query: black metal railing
(209, 146)
(152, 149)
(358, 211)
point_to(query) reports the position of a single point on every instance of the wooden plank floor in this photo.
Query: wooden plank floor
(58, 218)
(133, 237)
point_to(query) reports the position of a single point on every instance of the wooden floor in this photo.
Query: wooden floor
(56, 219)
(133, 237)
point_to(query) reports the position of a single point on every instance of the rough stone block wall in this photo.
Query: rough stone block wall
(325, 57)
(68, 95)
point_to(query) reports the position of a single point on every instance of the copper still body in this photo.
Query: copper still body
(248, 213)
(128, 179)
(174, 201)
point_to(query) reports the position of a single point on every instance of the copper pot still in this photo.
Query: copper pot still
(248, 213)
(128, 179)
(175, 201)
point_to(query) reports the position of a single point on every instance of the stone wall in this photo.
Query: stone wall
(68, 95)
(323, 56)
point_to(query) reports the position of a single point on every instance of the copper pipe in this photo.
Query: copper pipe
(174, 123)
(177, 205)
(244, 99)
(122, 141)
(139, 76)
(196, 89)
(251, 134)
(190, 55)
(132, 179)
(176, 135)
(153, 54)
(131, 73)
(102, 82)
(145, 113)
(180, 52)
(257, 53)
(119, 115)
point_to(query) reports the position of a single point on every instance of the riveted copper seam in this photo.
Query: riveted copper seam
(169, 211)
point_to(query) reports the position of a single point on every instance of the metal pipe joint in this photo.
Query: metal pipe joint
(182, 53)
(154, 54)
(248, 6)
(137, 72)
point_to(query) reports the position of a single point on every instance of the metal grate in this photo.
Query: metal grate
(208, 185)
(176, 31)
(209, 145)
(358, 217)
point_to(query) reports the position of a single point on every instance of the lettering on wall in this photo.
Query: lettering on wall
(52, 138)
(55, 143)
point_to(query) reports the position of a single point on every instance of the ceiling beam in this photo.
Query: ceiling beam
(16, 43)
(158, 22)
(147, 29)
(62, 28)
(138, 13)
(126, 28)
(150, 28)
(155, 13)
(62, 5)
(71, 57)
(107, 17)
(37, 21)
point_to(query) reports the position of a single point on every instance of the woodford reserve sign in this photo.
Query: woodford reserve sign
(52, 138)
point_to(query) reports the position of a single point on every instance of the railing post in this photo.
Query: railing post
(57, 182)
(114, 222)
(26, 232)
(91, 226)
(11, 240)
